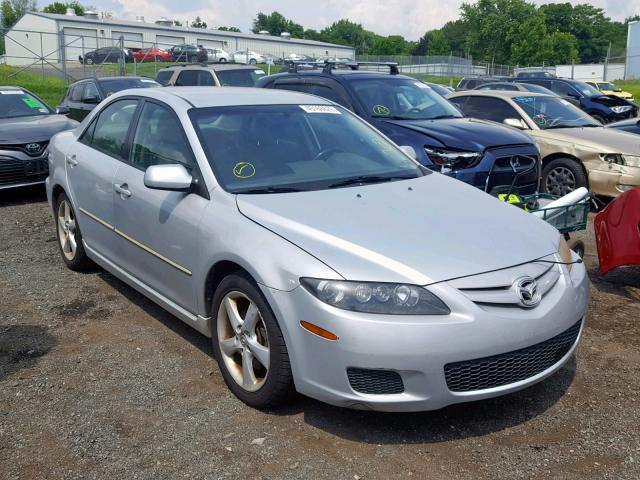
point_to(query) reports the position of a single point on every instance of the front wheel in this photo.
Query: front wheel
(222, 60)
(252, 61)
(69, 236)
(88, 61)
(249, 345)
(562, 176)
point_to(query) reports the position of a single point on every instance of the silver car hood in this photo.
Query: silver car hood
(421, 231)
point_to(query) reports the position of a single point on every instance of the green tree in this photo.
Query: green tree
(228, 29)
(198, 23)
(311, 34)
(275, 23)
(456, 34)
(391, 45)
(530, 49)
(12, 10)
(434, 42)
(61, 8)
(345, 32)
(561, 47)
(177, 23)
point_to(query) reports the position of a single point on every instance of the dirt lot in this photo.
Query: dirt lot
(97, 382)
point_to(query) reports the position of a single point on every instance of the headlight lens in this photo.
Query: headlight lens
(621, 159)
(621, 108)
(383, 298)
(454, 159)
(565, 253)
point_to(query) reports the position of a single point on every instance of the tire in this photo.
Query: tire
(193, 59)
(577, 246)
(599, 118)
(88, 61)
(562, 175)
(69, 236)
(222, 60)
(258, 387)
(253, 61)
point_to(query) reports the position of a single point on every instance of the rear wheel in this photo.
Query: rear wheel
(88, 61)
(252, 61)
(222, 60)
(249, 345)
(562, 176)
(69, 236)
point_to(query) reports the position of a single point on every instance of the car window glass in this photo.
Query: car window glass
(328, 93)
(158, 139)
(112, 126)
(549, 112)
(76, 95)
(487, 108)
(163, 78)
(18, 103)
(91, 90)
(296, 87)
(188, 78)
(563, 89)
(245, 77)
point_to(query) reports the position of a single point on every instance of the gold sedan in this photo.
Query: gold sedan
(576, 150)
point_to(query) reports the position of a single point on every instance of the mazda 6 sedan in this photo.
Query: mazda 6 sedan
(317, 255)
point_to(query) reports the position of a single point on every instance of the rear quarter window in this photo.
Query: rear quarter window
(163, 78)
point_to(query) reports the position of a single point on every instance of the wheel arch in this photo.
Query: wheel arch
(217, 272)
(566, 156)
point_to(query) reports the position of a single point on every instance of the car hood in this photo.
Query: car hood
(464, 133)
(601, 139)
(419, 231)
(611, 101)
(33, 128)
(621, 93)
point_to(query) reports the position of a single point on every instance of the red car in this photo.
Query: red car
(152, 54)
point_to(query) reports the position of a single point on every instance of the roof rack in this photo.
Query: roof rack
(329, 65)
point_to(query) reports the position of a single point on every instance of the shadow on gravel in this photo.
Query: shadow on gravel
(174, 324)
(21, 346)
(451, 423)
(22, 195)
(622, 281)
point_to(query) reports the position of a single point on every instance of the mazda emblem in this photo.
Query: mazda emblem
(528, 293)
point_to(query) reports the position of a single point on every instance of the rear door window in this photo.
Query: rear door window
(193, 78)
(163, 78)
(488, 108)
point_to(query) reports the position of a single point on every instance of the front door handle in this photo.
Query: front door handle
(122, 189)
(71, 160)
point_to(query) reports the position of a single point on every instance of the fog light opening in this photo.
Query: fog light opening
(319, 331)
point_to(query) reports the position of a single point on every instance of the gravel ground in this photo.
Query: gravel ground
(98, 382)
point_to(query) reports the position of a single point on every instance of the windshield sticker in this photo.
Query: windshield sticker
(30, 102)
(523, 99)
(244, 170)
(422, 85)
(259, 72)
(43, 110)
(320, 109)
(11, 92)
(147, 80)
(381, 110)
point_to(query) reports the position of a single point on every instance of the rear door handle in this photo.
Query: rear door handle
(71, 160)
(122, 189)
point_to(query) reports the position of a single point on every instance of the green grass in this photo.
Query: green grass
(631, 86)
(49, 89)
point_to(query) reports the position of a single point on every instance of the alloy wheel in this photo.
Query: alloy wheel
(67, 230)
(560, 181)
(243, 341)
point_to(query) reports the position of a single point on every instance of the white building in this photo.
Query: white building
(58, 38)
(633, 52)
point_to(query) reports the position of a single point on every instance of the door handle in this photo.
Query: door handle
(71, 160)
(122, 189)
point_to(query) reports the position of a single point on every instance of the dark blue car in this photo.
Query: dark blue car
(631, 125)
(484, 154)
(604, 108)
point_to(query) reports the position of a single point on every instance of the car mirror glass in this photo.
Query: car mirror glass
(174, 177)
(515, 123)
(92, 99)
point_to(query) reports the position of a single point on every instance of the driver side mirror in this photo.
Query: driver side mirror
(62, 110)
(515, 123)
(410, 151)
(92, 100)
(172, 177)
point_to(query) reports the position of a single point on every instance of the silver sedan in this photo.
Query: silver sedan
(317, 255)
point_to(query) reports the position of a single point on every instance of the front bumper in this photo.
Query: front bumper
(16, 171)
(418, 348)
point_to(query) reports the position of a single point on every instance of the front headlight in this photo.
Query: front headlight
(370, 297)
(621, 108)
(455, 159)
(621, 159)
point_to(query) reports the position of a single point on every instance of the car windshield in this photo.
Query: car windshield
(587, 90)
(240, 78)
(18, 103)
(111, 86)
(532, 87)
(608, 86)
(553, 112)
(402, 99)
(283, 148)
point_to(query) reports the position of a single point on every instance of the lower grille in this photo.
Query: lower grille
(511, 367)
(16, 171)
(378, 382)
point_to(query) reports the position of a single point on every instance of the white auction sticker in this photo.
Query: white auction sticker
(259, 72)
(147, 80)
(320, 109)
(422, 85)
(11, 92)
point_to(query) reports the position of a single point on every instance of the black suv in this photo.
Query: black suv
(107, 55)
(83, 96)
(189, 53)
(604, 108)
(484, 154)
(469, 83)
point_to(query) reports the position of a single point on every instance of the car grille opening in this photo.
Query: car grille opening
(378, 382)
(511, 367)
(14, 171)
(502, 175)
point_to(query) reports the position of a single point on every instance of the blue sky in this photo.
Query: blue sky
(410, 18)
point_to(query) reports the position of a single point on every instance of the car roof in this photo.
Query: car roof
(341, 73)
(202, 97)
(498, 93)
(216, 68)
(10, 87)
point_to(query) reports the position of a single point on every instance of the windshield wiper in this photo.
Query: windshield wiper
(364, 179)
(270, 190)
(442, 116)
(393, 117)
